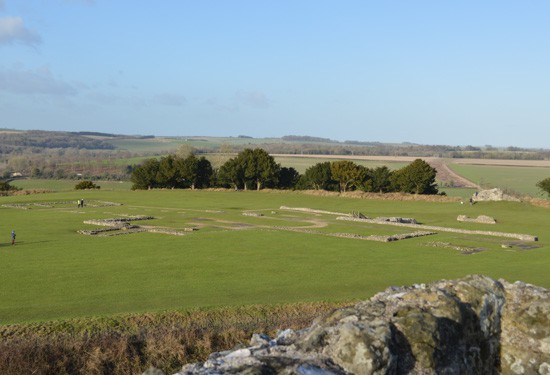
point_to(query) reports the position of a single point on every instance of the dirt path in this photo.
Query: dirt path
(447, 176)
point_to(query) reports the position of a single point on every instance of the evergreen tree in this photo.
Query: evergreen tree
(231, 174)
(379, 180)
(416, 178)
(204, 173)
(144, 176)
(288, 178)
(319, 176)
(169, 175)
(347, 174)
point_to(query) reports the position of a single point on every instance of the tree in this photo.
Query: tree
(288, 178)
(196, 172)
(263, 170)
(144, 176)
(250, 167)
(205, 173)
(231, 173)
(416, 178)
(347, 173)
(5, 186)
(319, 176)
(86, 184)
(379, 181)
(168, 175)
(189, 168)
(544, 185)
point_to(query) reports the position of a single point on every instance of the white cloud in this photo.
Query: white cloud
(167, 99)
(12, 29)
(39, 81)
(254, 99)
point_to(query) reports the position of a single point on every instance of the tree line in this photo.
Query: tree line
(256, 169)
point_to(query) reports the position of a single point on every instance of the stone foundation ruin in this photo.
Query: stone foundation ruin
(481, 219)
(122, 225)
(382, 238)
(519, 236)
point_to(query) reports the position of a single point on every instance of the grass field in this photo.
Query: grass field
(65, 185)
(55, 273)
(518, 179)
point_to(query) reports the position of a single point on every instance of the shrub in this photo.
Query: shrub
(544, 185)
(86, 184)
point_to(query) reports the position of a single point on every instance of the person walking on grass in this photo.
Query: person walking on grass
(13, 237)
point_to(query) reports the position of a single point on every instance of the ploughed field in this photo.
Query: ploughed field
(181, 249)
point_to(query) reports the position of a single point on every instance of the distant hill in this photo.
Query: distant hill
(17, 142)
(49, 139)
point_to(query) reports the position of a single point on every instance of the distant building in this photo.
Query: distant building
(16, 174)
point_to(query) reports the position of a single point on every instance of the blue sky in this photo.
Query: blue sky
(431, 72)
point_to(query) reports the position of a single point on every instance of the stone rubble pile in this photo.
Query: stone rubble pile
(493, 195)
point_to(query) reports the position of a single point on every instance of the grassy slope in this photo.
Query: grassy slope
(54, 273)
(519, 179)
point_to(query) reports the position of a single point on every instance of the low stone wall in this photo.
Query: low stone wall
(120, 226)
(463, 249)
(405, 220)
(397, 237)
(519, 236)
(119, 221)
(253, 214)
(312, 211)
(481, 219)
(178, 231)
(173, 232)
(19, 206)
(381, 238)
(353, 215)
(102, 204)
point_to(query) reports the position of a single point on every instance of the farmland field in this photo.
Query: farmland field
(303, 163)
(169, 144)
(519, 179)
(276, 256)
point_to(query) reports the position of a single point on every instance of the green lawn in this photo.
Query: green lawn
(55, 273)
(463, 193)
(518, 179)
